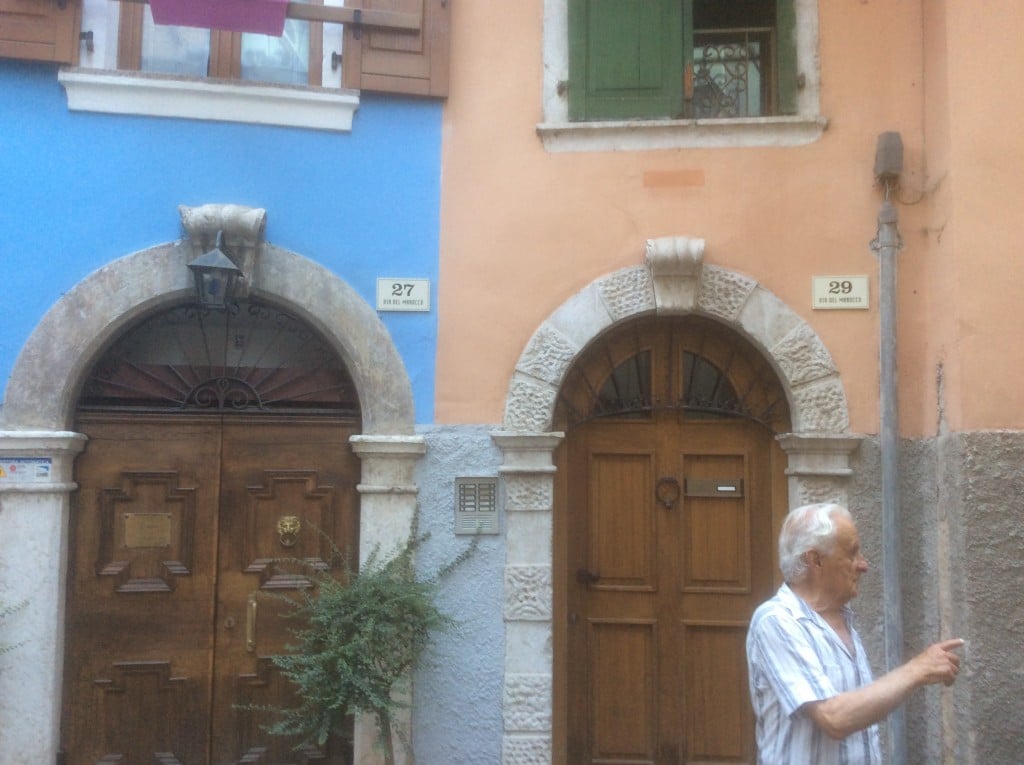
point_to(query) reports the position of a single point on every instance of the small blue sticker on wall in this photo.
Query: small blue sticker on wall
(26, 469)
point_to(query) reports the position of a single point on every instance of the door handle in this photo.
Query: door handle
(250, 623)
(583, 576)
(667, 492)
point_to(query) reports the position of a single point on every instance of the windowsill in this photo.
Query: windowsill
(155, 95)
(640, 135)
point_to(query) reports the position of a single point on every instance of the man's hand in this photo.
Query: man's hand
(937, 663)
(851, 711)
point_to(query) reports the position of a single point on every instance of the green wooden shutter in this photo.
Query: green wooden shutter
(625, 59)
(785, 56)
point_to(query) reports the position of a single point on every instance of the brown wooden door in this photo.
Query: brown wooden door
(669, 553)
(176, 527)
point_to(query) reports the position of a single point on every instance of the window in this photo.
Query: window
(398, 46)
(294, 58)
(681, 59)
(309, 77)
(681, 367)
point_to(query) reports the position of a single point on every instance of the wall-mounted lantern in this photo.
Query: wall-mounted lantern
(215, 276)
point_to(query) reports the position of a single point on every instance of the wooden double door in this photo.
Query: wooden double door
(669, 547)
(180, 529)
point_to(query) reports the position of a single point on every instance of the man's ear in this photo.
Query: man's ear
(813, 558)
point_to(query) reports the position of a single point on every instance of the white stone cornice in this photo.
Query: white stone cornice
(527, 452)
(40, 442)
(651, 135)
(147, 94)
(819, 454)
(388, 446)
(58, 448)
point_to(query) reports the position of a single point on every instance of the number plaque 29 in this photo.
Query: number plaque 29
(837, 292)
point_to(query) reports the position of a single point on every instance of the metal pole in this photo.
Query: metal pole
(886, 245)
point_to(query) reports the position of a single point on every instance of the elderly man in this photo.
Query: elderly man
(810, 683)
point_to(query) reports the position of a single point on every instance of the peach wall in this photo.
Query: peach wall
(985, 158)
(524, 229)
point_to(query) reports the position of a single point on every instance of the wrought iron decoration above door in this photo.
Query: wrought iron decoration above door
(251, 357)
(688, 364)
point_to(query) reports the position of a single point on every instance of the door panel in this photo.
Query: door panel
(621, 544)
(663, 578)
(287, 492)
(715, 524)
(141, 572)
(714, 674)
(623, 689)
(173, 529)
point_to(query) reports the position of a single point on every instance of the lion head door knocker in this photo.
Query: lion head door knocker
(288, 530)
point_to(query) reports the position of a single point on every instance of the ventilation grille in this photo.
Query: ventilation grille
(476, 506)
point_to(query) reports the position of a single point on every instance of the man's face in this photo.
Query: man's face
(842, 566)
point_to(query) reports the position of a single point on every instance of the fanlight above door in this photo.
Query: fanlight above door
(253, 357)
(691, 365)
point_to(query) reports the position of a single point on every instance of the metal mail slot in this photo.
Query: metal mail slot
(714, 487)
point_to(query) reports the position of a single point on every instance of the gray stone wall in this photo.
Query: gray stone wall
(988, 536)
(962, 510)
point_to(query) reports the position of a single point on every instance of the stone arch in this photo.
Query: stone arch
(44, 383)
(673, 281)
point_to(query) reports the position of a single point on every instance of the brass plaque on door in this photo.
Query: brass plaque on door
(147, 530)
(714, 487)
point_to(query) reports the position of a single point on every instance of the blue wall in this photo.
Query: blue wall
(78, 190)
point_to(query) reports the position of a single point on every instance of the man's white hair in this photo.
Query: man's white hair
(809, 527)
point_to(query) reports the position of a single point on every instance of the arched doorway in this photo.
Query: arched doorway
(40, 408)
(670, 476)
(218, 471)
(673, 281)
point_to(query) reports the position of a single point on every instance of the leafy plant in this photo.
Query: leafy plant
(362, 633)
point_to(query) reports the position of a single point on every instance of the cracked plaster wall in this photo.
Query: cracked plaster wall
(962, 512)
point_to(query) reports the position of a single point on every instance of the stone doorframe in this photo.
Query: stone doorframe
(39, 410)
(673, 281)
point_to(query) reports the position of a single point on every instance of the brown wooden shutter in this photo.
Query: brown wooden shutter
(40, 30)
(413, 63)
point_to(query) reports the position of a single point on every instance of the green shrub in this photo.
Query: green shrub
(361, 634)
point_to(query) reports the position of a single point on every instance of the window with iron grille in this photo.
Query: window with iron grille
(681, 59)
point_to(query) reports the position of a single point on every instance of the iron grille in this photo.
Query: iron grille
(706, 371)
(730, 73)
(251, 357)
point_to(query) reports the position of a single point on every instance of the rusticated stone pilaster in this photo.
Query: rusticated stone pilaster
(528, 468)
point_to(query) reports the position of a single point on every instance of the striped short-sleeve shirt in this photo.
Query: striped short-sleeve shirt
(795, 657)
